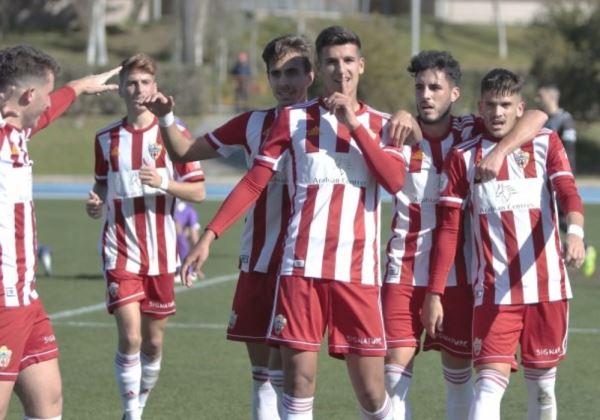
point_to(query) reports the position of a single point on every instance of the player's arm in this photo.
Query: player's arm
(403, 129)
(386, 164)
(569, 199)
(526, 128)
(95, 203)
(245, 193)
(442, 258)
(62, 98)
(180, 147)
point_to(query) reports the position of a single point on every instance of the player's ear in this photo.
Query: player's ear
(454, 93)
(27, 96)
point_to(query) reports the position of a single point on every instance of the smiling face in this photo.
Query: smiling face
(434, 95)
(289, 79)
(340, 67)
(500, 111)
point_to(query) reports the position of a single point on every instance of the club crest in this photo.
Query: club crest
(5, 355)
(477, 346)
(232, 320)
(113, 289)
(279, 324)
(521, 157)
(155, 150)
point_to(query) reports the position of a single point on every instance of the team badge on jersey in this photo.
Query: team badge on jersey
(313, 132)
(155, 150)
(5, 355)
(114, 151)
(113, 289)
(477, 346)
(521, 157)
(418, 155)
(279, 324)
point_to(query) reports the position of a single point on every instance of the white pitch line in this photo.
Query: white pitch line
(200, 284)
(585, 330)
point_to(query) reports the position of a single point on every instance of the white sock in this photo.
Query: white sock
(59, 417)
(397, 384)
(540, 387)
(489, 389)
(264, 398)
(276, 378)
(297, 408)
(386, 412)
(150, 372)
(128, 372)
(459, 393)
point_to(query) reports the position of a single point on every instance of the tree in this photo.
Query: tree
(566, 54)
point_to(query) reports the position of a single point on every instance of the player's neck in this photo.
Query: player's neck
(437, 129)
(140, 121)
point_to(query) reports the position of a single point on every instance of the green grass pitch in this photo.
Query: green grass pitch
(205, 376)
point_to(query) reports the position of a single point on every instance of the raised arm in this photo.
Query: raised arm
(179, 147)
(403, 129)
(526, 129)
(386, 164)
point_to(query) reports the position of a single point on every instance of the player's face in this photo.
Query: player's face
(136, 84)
(289, 80)
(544, 99)
(39, 101)
(500, 112)
(340, 67)
(434, 95)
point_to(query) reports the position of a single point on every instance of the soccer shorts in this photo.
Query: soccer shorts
(402, 317)
(540, 329)
(351, 313)
(26, 338)
(156, 294)
(252, 307)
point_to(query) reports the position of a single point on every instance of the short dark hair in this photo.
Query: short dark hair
(439, 60)
(501, 81)
(141, 62)
(336, 35)
(285, 44)
(22, 61)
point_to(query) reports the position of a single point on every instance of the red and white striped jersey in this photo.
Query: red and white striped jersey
(517, 248)
(415, 209)
(333, 232)
(262, 239)
(18, 237)
(139, 231)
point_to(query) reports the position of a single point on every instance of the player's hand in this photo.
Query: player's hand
(489, 166)
(95, 83)
(342, 106)
(574, 251)
(400, 128)
(158, 103)
(150, 176)
(193, 262)
(94, 205)
(432, 314)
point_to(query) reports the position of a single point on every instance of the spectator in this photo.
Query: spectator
(241, 73)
